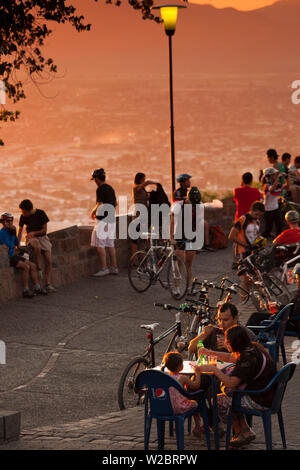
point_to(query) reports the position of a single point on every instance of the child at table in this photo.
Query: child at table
(173, 361)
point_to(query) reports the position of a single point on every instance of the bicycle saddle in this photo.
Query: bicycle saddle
(150, 327)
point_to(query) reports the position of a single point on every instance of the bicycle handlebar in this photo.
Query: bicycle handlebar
(166, 306)
(198, 302)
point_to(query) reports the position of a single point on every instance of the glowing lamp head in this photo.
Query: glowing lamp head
(169, 15)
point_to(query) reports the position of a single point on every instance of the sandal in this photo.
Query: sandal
(242, 439)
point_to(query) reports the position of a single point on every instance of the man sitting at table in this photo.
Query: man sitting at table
(213, 336)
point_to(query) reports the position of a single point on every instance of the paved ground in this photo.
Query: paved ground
(65, 354)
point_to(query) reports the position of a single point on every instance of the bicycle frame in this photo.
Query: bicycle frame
(150, 254)
(150, 350)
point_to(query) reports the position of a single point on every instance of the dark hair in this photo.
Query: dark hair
(26, 205)
(172, 360)
(285, 156)
(238, 338)
(272, 153)
(257, 206)
(247, 178)
(297, 160)
(229, 306)
(139, 178)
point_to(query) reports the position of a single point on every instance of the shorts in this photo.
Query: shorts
(44, 242)
(14, 260)
(103, 235)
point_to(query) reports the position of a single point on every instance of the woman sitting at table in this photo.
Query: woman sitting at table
(173, 361)
(253, 369)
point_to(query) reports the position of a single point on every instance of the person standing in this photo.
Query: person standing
(103, 234)
(247, 228)
(180, 194)
(36, 221)
(245, 195)
(272, 191)
(141, 196)
(180, 216)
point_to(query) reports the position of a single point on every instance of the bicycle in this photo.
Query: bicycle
(204, 286)
(146, 268)
(127, 397)
(264, 287)
(283, 268)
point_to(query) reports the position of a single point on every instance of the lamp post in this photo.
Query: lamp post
(169, 16)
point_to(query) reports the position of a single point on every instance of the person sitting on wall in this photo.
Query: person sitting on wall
(35, 221)
(17, 258)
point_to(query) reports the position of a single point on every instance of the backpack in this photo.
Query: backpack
(218, 237)
(159, 196)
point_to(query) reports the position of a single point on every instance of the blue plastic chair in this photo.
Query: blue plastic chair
(295, 334)
(279, 382)
(271, 333)
(157, 385)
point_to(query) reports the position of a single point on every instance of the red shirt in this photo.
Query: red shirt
(244, 198)
(288, 237)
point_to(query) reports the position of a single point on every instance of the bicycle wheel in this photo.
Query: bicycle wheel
(277, 288)
(140, 271)
(177, 277)
(127, 397)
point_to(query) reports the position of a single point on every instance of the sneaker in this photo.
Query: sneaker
(27, 294)
(39, 291)
(102, 272)
(50, 289)
(114, 270)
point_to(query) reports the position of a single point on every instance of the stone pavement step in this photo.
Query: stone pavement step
(123, 430)
(10, 425)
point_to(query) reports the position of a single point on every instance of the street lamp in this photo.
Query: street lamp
(169, 16)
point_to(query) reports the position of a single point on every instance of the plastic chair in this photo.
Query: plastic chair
(157, 385)
(279, 382)
(271, 333)
(295, 334)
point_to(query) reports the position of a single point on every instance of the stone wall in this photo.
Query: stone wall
(74, 258)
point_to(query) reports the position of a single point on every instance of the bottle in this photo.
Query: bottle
(201, 358)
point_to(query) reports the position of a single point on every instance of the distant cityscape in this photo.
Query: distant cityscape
(223, 127)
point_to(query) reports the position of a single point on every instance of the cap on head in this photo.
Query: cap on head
(194, 195)
(99, 173)
(292, 216)
(183, 177)
(269, 171)
(6, 216)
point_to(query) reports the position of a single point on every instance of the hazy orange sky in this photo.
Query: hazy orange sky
(238, 4)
